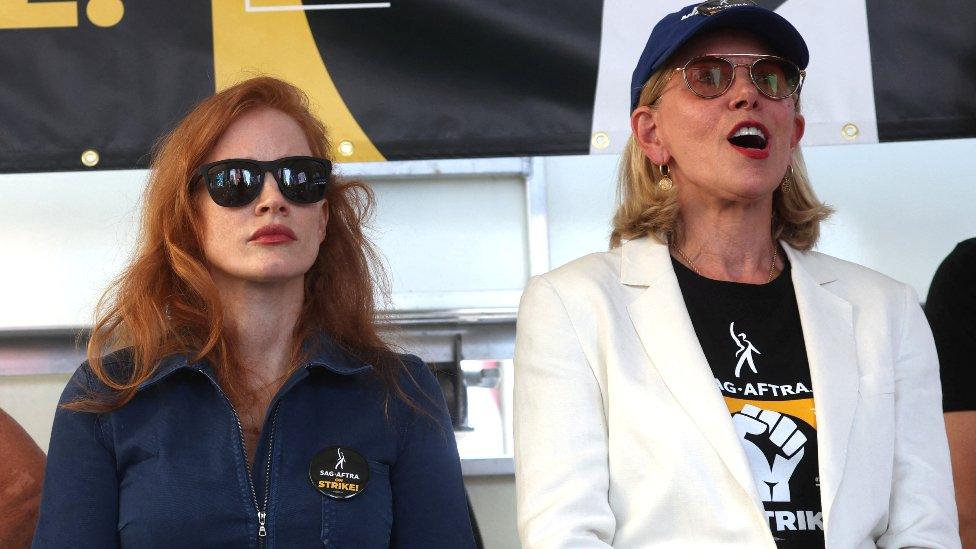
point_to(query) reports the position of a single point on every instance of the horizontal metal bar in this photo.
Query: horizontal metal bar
(499, 315)
(483, 315)
(488, 467)
(418, 169)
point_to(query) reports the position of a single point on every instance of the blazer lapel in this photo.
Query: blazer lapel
(661, 319)
(828, 332)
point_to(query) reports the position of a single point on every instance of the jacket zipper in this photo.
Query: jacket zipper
(262, 532)
(262, 510)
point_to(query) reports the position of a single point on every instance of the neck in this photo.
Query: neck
(262, 318)
(728, 241)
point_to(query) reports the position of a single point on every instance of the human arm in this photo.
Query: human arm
(20, 483)
(429, 505)
(561, 469)
(961, 429)
(79, 505)
(922, 509)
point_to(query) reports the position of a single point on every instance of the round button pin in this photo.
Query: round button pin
(339, 472)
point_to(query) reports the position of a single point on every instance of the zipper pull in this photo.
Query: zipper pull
(262, 532)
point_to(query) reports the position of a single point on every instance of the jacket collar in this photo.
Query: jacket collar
(665, 330)
(661, 319)
(321, 350)
(828, 333)
(168, 366)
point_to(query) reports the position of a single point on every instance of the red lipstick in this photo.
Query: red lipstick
(754, 153)
(274, 233)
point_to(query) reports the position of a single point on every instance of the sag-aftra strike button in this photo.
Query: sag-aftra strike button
(339, 472)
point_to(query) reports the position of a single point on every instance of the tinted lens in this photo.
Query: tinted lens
(777, 78)
(708, 76)
(234, 184)
(304, 180)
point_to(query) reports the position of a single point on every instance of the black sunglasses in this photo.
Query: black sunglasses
(238, 181)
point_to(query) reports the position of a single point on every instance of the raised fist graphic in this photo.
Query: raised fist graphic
(781, 449)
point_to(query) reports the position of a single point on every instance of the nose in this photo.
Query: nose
(270, 200)
(743, 94)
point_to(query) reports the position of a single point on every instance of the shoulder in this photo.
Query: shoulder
(587, 280)
(964, 251)
(959, 265)
(847, 274)
(587, 270)
(85, 383)
(879, 301)
(418, 382)
(414, 366)
(952, 294)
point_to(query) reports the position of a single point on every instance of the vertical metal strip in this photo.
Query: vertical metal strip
(537, 214)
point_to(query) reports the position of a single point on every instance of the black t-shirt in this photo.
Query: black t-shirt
(753, 340)
(951, 310)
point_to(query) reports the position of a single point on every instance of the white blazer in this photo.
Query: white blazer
(622, 438)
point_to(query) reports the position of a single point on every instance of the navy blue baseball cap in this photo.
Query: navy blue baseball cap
(677, 28)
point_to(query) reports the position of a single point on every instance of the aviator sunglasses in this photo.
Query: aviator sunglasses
(238, 181)
(711, 75)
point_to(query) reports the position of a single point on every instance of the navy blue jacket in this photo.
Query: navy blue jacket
(168, 469)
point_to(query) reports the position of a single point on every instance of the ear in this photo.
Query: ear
(323, 220)
(644, 123)
(799, 124)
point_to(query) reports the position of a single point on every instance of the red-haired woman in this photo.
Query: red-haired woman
(249, 400)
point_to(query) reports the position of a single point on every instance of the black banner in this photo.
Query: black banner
(410, 79)
(923, 56)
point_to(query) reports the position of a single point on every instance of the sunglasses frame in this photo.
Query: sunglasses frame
(752, 78)
(273, 167)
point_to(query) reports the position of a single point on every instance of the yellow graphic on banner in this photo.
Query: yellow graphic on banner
(800, 408)
(280, 44)
(22, 14)
(105, 13)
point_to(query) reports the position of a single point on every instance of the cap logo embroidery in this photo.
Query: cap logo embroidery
(715, 6)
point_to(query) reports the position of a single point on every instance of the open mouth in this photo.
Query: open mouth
(749, 137)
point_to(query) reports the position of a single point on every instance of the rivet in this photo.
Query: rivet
(90, 158)
(346, 148)
(601, 140)
(850, 131)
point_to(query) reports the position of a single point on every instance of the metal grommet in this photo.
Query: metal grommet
(346, 148)
(601, 140)
(90, 158)
(850, 131)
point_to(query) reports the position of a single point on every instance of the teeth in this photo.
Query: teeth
(749, 130)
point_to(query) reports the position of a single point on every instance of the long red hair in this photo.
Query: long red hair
(165, 302)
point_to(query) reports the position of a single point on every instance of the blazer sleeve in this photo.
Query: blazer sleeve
(922, 511)
(80, 500)
(429, 504)
(561, 470)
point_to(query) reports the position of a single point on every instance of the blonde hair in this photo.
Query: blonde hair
(645, 209)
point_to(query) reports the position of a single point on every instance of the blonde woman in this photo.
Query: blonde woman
(711, 381)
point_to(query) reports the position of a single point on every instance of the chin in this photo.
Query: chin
(273, 272)
(280, 273)
(755, 186)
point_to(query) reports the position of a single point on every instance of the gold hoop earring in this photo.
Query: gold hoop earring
(788, 180)
(665, 183)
